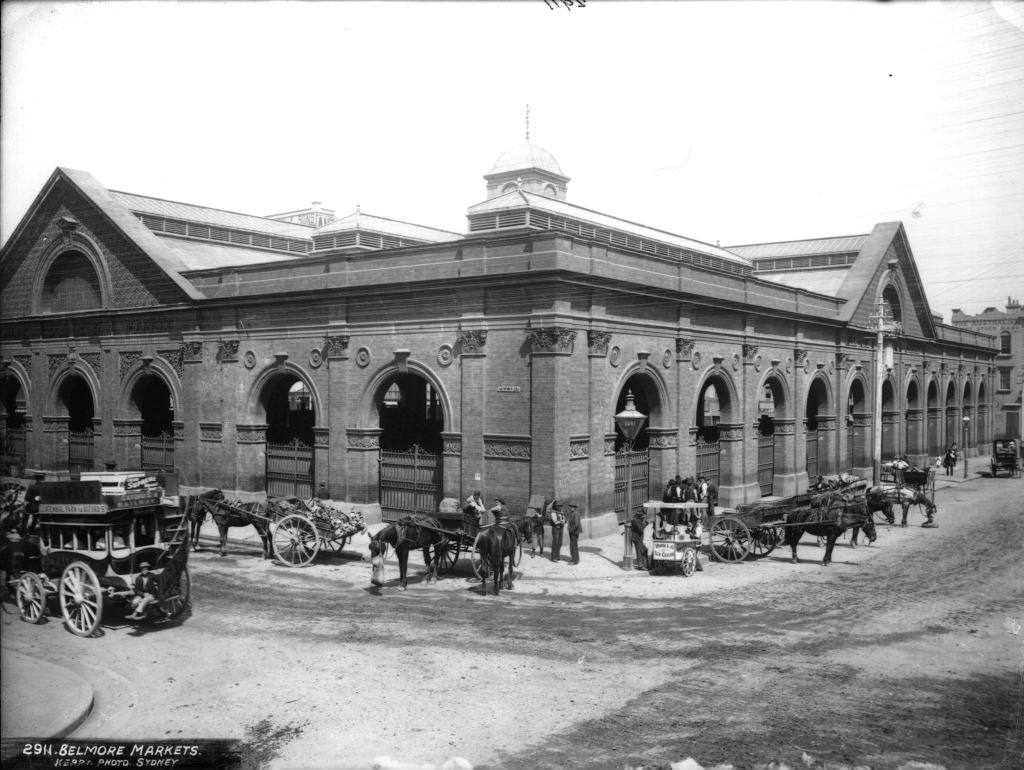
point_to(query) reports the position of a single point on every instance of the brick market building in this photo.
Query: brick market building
(375, 360)
(1007, 326)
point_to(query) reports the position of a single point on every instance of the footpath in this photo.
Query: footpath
(28, 708)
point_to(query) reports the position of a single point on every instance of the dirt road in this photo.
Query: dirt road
(907, 651)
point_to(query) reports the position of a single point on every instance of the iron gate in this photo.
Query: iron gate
(15, 445)
(410, 482)
(157, 452)
(81, 450)
(290, 469)
(766, 464)
(632, 470)
(812, 455)
(708, 460)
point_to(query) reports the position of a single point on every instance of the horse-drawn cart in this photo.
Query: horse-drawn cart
(295, 529)
(94, 536)
(1005, 458)
(462, 538)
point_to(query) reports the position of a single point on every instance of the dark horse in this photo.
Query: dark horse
(408, 533)
(496, 544)
(226, 515)
(829, 519)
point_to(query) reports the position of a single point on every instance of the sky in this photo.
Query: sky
(727, 122)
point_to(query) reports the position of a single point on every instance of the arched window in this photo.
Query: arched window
(891, 298)
(71, 285)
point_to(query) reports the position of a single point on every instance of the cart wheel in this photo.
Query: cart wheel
(763, 541)
(177, 598)
(336, 545)
(689, 562)
(519, 553)
(295, 540)
(730, 539)
(81, 599)
(31, 598)
(446, 554)
(478, 565)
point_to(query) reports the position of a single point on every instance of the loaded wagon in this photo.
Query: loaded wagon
(95, 533)
(1005, 458)
(675, 544)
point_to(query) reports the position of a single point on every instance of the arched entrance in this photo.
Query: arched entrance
(290, 417)
(968, 419)
(912, 422)
(857, 420)
(770, 406)
(152, 398)
(933, 441)
(817, 443)
(633, 459)
(890, 420)
(713, 409)
(411, 447)
(13, 426)
(75, 398)
(952, 416)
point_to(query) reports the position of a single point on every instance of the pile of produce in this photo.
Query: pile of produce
(341, 523)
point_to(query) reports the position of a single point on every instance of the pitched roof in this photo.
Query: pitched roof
(517, 199)
(142, 204)
(360, 221)
(804, 247)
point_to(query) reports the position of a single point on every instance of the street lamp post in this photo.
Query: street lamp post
(629, 421)
(967, 423)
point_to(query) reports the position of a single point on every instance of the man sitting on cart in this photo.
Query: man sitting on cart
(143, 592)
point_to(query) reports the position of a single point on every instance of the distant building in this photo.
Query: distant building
(1008, 329)
(401, 364)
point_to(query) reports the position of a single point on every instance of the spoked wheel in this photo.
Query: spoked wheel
(763, 541)
(730, 539)
(295, 540)
(336, 545)
(177, 598)
(81, 599)
(519, 552)
(689, 562)
(446, 553)
(31, 598)
(478, 564)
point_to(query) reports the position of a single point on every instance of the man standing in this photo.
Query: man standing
(950, 459)
(536, 518)
(636, 533)
(711, 498)
(574, 526)
(557, 519)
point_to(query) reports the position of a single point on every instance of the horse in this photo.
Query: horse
(199, 507)
(226, 515)
(408, 533)
(906, 496)
(828, 520)
(495, 545)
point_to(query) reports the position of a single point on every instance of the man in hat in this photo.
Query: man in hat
(31, 511)
(143, 592)
(574, 527)
(499, 512)
(636, 534)
(557, 519)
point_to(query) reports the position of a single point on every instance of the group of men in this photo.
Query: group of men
(678, 490)
(559, 516)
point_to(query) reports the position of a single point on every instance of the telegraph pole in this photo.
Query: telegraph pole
(882, 326)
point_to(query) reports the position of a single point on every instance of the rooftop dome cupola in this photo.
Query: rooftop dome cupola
(527, 167)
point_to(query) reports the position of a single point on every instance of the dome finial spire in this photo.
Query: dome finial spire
(527, 123)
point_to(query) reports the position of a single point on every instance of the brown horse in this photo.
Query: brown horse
(226, 515)
(496, 544)
(408, 533)
(828, 520)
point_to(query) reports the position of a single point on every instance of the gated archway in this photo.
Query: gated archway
(714, 420)
(818, 461)
(633, 459)
(912, 416)
(770, 407)
(151, 398)
(934, 428)
(411, 416)
(968, 419)
(890, 419)
(75, 400)
(857, 424)
(952, 415)
(13, 425)
(290, 416)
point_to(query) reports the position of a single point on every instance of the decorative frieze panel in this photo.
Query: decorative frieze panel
(363, 439)
(321, 438)
(176, 360)
(597, 342)
(551, 339)
(684, 348)
(336, 346)
(25, 361)
(127, 428)
(579, 447)
(126, 361)
(192, 352)
(451, 444)
(730, 432)
(95, 362)
(507, 447)
(211, 432)
(227, 351)
(251, 434)
(784, 427)
(662, 438)
(55, 362)
(609, 444)
(472, 341)
(55, 424)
